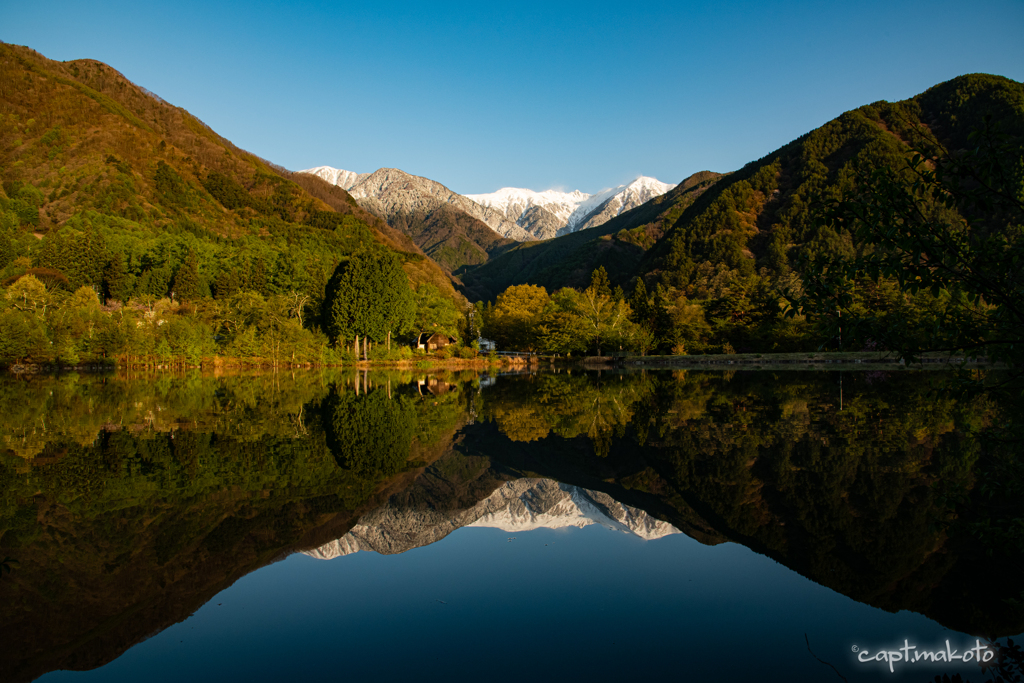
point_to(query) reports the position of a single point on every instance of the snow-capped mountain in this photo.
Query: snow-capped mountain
(389, 193)
(573, 210)
(515, 213)
(519, 505)
(605, 205)
(514, 201)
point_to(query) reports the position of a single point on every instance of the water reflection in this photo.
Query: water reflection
(517, 506)
(129, 503)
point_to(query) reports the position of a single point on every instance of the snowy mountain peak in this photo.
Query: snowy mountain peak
(346, 180)
(516, 213)
(573, 210)
(515, 201)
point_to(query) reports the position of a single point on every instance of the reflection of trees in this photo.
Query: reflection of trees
(120, 531)
(531, 408)
(231, 472)
(857, 498)
(369, 434)
(854, 498)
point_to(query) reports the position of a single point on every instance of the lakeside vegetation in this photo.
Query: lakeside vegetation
(129, 230)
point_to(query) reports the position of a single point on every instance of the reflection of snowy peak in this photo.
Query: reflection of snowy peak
(542, 507)
(519, 505)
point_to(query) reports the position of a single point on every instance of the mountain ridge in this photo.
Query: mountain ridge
(576, 210)
(515, 213)
(749, 229)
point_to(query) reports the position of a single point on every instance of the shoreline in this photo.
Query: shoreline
(859, 360)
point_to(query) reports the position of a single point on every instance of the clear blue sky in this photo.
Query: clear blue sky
(483, 95)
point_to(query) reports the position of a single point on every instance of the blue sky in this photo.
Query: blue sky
(484, 95)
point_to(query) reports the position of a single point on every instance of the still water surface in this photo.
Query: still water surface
(394, 527)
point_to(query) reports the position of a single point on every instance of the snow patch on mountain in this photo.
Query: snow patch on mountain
(514, 201)
(346, 180)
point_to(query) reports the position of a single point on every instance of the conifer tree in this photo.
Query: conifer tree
(117, 283)
(639, 303)
(368, 296)
(257, 280)
(186, 285)
(6, 251)
(600, 283)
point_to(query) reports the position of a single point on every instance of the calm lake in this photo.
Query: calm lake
(395, 526)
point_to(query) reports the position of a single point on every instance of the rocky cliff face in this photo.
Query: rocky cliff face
(540, 222)
(519, 505)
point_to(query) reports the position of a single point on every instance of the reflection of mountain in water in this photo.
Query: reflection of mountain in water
(520, 505)
(120, 532)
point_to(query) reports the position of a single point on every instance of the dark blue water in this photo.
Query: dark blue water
(590, 604)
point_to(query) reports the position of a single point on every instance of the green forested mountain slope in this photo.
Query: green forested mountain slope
(568, 261)
(95, 167)
(757, 220)
(721, 255)
(759, 217)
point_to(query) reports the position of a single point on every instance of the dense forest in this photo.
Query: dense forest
(901, 222)
(128, 229)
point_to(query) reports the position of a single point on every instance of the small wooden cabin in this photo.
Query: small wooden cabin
(432, 341)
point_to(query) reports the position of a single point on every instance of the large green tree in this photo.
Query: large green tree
(435, 312)
(513, 322)
(369, 296)
(117, 282)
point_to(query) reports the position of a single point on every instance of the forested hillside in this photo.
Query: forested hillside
(724, 258)
(107, 187)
